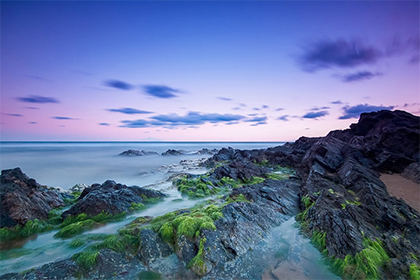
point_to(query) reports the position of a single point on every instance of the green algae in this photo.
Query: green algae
(31, 227)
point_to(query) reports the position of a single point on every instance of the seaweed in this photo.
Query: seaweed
(86, 259)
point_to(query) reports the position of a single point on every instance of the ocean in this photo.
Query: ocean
(64, 164)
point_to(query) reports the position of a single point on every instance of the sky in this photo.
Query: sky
(203, 70)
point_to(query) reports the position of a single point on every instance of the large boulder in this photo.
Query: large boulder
(111, 198)
(23, 199)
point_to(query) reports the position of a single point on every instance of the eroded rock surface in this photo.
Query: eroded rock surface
(23, 199)
(111, 198)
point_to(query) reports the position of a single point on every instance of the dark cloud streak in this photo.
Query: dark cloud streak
(63, 118)
(160, 91)
(315, 115)
(359, 76)
(129, 111)
(340, 53)
(118, 84)
(37, 99)
(355, 111)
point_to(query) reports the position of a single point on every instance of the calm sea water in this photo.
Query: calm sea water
(64, 164)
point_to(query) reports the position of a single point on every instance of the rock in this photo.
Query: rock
(390, 139)
(115, 265)
(186, 249)
(152, 247)
(23, 199)
(204, 151)
(412, 172)
(111, 198)
(66, 269)
(172, 152)
(240, 170)
(137, 153)
(245, 224)
(78, 188)
(346, 199)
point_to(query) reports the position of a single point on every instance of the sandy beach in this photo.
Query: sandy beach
(401, 187)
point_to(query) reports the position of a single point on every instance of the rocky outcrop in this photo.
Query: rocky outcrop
(111, 198)
(389, 139)
(137, 153)
(240, 170)
(344, 204)
(108, 265)
(244, 224)
(23, 199)
(204, 151)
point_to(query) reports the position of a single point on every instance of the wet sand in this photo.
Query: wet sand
(401, 187)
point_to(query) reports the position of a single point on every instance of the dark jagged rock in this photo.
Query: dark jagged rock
(172, 152)
(240, 170)
(111, 198)
(348, 201)
(115, 265)
(23, 199)
(137, 153)
(245, 224)
(63, 269)
(345, 199)
(152, 247)
(390, 139)
(204, 151)
(412, 172)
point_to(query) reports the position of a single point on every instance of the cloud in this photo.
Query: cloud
(118, 84)
(315, 115)
(264, 106)
(412, 104)
(104, 124)
(14, 115)
(136, 123)
(160, 91)
(257, 121)
(319, 108)
(129, 111)
(236, 108)
(197, 118)
(225, 98)
(37, 99)
(283, 118)
(336, 102)
(256, 109)
(355, 111)
(242, 105)
(398, 46)
(32, 122)
(191, 119)
(358, 76)
(37, 78)
(279, 109)
(340, 53)
(63, 118)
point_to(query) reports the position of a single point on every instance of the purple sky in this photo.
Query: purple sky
(209, 70)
